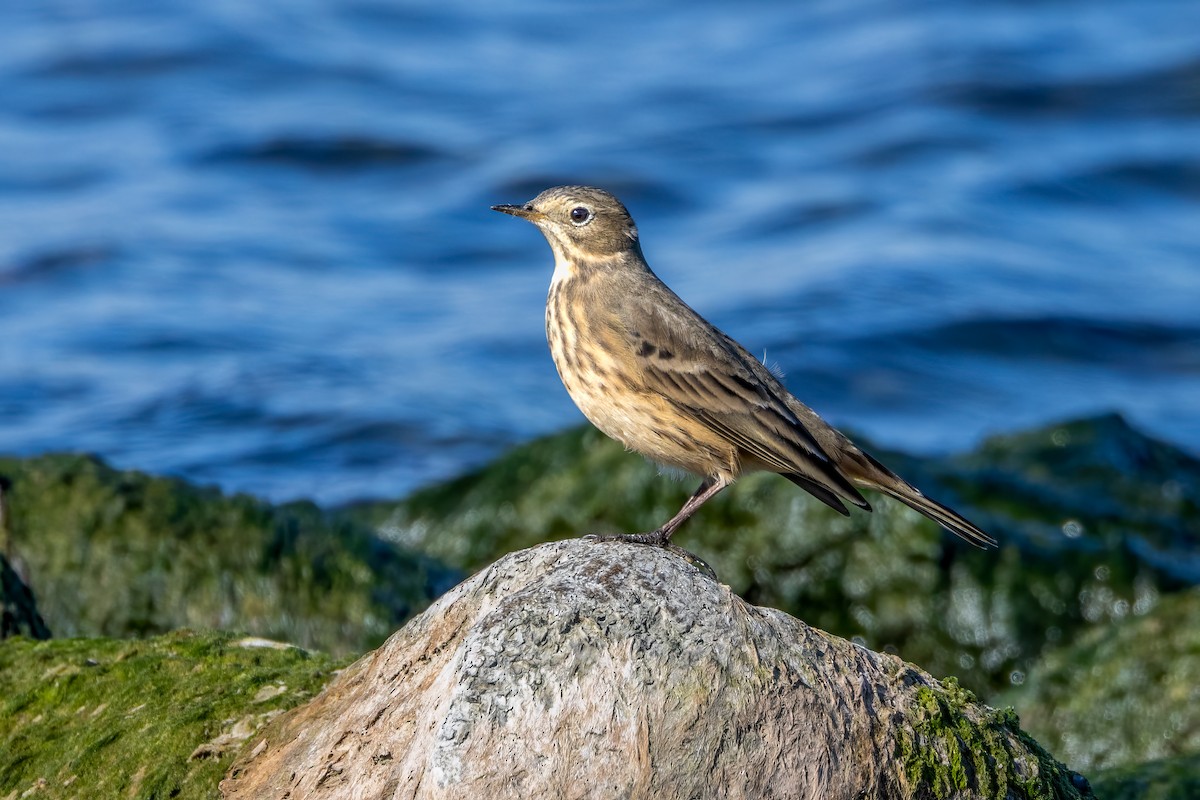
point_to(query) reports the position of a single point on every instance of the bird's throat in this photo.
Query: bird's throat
(565, 267)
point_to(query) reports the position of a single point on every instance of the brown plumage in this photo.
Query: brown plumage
(653, 374)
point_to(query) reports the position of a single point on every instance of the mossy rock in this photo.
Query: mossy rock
(1096, 522)
(121, 553)
(1165, 779)
(959, 748)
(158, 717)
(1123, 694)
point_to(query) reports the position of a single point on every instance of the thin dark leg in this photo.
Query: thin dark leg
(662, 536)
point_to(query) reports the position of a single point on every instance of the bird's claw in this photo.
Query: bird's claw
(655, 539)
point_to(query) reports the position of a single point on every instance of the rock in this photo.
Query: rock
(1124, 694)
(1166, 779)
(581, 669)
(18, 611)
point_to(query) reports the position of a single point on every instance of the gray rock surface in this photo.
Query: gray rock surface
(579, 669)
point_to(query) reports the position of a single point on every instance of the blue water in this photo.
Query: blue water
(249, 243)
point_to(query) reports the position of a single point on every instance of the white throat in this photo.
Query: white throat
(564, 268)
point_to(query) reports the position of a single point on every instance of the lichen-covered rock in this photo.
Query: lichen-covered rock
(581, 669)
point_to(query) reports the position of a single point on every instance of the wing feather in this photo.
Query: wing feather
(704, 374)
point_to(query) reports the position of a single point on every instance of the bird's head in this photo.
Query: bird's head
(580, 222)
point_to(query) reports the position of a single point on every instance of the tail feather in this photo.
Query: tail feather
(824, 494)
(948, 518)
(867, 471)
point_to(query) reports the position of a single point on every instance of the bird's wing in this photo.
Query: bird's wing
(714, 380)
(711, 378)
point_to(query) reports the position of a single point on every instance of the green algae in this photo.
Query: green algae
(121, 553)
(101, 718)
(953, 747)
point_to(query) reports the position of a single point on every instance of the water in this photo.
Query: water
(250, 243)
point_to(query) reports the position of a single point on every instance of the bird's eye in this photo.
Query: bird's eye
(580, 215)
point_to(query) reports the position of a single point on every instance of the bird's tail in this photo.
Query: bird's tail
(866, 471)
(948, 518)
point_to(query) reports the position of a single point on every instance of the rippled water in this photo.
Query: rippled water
(250, 243)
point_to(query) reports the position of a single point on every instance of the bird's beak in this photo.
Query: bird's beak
(524, 212)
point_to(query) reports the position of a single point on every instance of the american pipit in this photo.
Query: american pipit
(653, 374)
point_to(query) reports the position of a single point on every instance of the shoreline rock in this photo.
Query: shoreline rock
(581, 669)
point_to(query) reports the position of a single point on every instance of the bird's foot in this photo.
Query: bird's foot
(656, 538)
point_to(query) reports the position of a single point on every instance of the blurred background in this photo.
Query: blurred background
(250, 244)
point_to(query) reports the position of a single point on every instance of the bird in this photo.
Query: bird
(652, 373)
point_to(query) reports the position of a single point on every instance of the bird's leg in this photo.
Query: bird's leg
(662, 535)
(707, 489)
